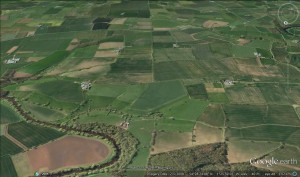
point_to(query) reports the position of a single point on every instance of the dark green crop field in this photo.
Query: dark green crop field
(32, 135)
(7, 167)
(8, 147)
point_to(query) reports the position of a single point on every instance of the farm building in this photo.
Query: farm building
(228, 82)
(12, 60)
(85, 85)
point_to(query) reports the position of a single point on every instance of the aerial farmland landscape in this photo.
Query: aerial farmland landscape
(127, 88)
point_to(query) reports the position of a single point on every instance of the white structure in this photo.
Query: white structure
(228, 82)
(85, 85)
(12, 60)
(257, 54)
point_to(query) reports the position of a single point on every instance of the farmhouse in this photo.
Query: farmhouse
(124, 125)
(85, 85)
(257, 54)
(12, 60)
(228, 82)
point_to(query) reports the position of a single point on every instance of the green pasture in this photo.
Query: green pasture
(132, 93)
(62, 90)
(100, 116)
(215, 97)
(107, 90)
(174, 125)
(244, 115)
(8, 114)
(142, 130)
(43, 113)
(274, 133)
(158, 94)
(185, 109)
(50, 61)
(173, 54)
(274, 93)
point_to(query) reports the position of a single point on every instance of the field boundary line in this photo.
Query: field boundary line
(206, 124)
(11, 138)
(266, 124)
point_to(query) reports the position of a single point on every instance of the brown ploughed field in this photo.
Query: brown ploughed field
(66, 152)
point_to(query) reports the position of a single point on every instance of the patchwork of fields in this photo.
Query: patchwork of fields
(197, 83)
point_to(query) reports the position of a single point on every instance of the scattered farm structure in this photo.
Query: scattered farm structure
(228, 82)
(257, 54)
(86, 85)
(13, 60)
(124, 125)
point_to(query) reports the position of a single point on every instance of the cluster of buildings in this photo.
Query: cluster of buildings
(257, 54)
(86, 85)
(124, 125)
(13, 60)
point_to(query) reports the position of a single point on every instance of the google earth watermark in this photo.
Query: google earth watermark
(273, 161)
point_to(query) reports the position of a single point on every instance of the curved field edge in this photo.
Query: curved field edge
(28, 159)
(123, 142)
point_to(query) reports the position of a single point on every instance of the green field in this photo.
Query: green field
(142, 129)
(218, 97)
(8, 147)
(97, 116)
(45, 63)
(43, 113)
(44, 45)
(52, 102)
(32, 135)
(108, 90)
(197, 91)
(244, 115)
(249, 115)
(245, 94)
(8, 114)
(274, 93)
(159, 94)
(173, 54)
(62, 90)
(274, 133)
(7, 167)
(132, 93)
(185, 109)
(282, 114)
(173, 125)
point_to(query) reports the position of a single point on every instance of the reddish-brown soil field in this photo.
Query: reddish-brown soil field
(66, 152)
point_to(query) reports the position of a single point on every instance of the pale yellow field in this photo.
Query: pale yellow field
(11, 50)
(168, 141)
(106, 53)
(118, 21)
(34, 59)
(243, 151)
(206, 135)
(111, 45)
(21, 163)
(214, 23)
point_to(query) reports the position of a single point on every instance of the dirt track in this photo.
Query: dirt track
(18, 143)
